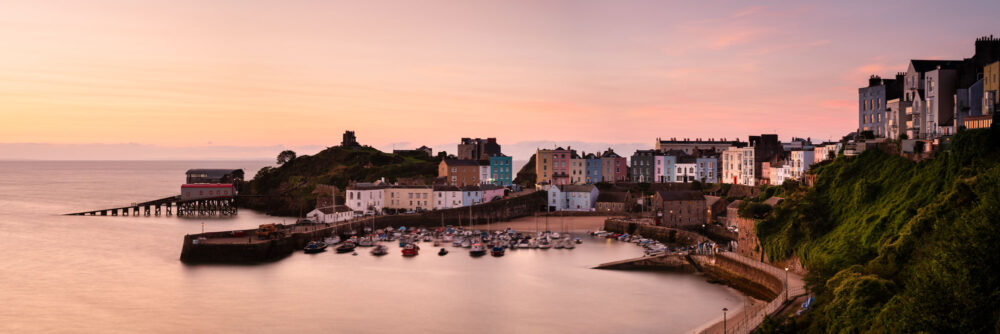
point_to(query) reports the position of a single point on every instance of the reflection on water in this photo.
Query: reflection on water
(121, 274)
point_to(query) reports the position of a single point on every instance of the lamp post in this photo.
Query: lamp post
(724, 320)
(786, 284)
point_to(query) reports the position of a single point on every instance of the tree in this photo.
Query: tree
(903, 136)
(867, 134)
(286, 156)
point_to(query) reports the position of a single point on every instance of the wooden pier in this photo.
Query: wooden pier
(167, 206)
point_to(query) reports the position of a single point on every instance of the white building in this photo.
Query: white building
(447, 197)
(738, 166)
(799, 162)
(685, 172)
(331, 214)
(573, 197)
(484, 172)
(366, 197)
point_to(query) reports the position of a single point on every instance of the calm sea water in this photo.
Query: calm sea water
(76, 274)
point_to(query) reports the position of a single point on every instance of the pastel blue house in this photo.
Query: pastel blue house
(501, 172)
(593, 168)
(472, 195)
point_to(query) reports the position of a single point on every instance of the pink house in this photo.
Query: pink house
(491, 192)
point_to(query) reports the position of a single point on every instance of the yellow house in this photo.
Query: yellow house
(409, 198)
(991, 87)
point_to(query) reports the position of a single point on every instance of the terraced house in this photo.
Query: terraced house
(501, 172)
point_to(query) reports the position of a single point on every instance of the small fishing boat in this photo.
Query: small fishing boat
(497, 251)
(442, 252)
(437, 243)
(570, 244)
(332, 240)
(315, 247)
(457, 242)
(347, 247)
(544, 245)
(579, 241)
(477, 250)
(411, 250)
(366, 242)
(428, 238)
(466, 243)
(380, 250)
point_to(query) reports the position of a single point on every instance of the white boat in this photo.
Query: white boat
(570, 244)
(428, 238)
(366, 242)
(466, 243)
(332, 240)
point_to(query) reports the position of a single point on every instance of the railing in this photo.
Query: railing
(752, 317)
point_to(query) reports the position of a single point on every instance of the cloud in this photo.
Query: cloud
(747, 12)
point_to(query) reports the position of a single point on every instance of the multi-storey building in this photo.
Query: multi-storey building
(738, 166)
(409, 197)
(707, 169)
(681, 208)
(459, 172)
(491, 192)
(447, 197)
(366, 197)
(472, 195)
(572, 197)
(552, 166)
(939, 98)
(478, 148)
(799, 161)
(577, 169)
(914, 83)
(664, 170)
(593, 168)
(873, 100)
(501, 172)
(686, 170)
(643, 166)
(689, 146)
(895, 117)
(614, 168)
(991, 88)
(484, 172)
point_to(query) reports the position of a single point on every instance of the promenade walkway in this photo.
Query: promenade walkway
(746, 320)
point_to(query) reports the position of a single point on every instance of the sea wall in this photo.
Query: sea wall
(662, 234)
(668, 262)
(747, 279)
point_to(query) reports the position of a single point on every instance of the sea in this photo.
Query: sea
(84, 274)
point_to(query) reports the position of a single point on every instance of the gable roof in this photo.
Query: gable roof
(922, 65)
(774, 200)
(576, 188)
(446, 188)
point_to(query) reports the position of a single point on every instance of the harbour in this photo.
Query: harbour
(114, 274)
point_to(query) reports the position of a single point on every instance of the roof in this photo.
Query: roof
(409, 187)
(590, 156)
(490, 186)
(774, 200)
(446, 188)
(576, 188)
(214, 173)
(612, 196)
(711, 200)
(610, 154)
(364, 186)
(680, 195)
(471, 188)
(921, 65)
(329, 210)
(452, 162)
(735, 204)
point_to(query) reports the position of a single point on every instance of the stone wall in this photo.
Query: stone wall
(662, 234)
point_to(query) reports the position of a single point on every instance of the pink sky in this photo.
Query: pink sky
(297, 73)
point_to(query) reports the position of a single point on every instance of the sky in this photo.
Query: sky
(101, 79)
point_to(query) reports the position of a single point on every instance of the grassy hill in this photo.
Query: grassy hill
(526, 176)
(288, 189)
(894, 246)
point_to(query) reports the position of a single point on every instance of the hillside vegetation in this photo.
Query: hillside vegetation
(288, 189)
(894, 246)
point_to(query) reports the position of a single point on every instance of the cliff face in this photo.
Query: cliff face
(897, 246)
(526, 176)
(289, 189)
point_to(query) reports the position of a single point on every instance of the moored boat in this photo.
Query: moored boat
(411, 250)
(497, 251)
(347, 247)
(442, 252)
(380, 250)
(315, 247)
(477, 249)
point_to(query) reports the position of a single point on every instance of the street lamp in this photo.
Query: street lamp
(786, 284)
(724, 319)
